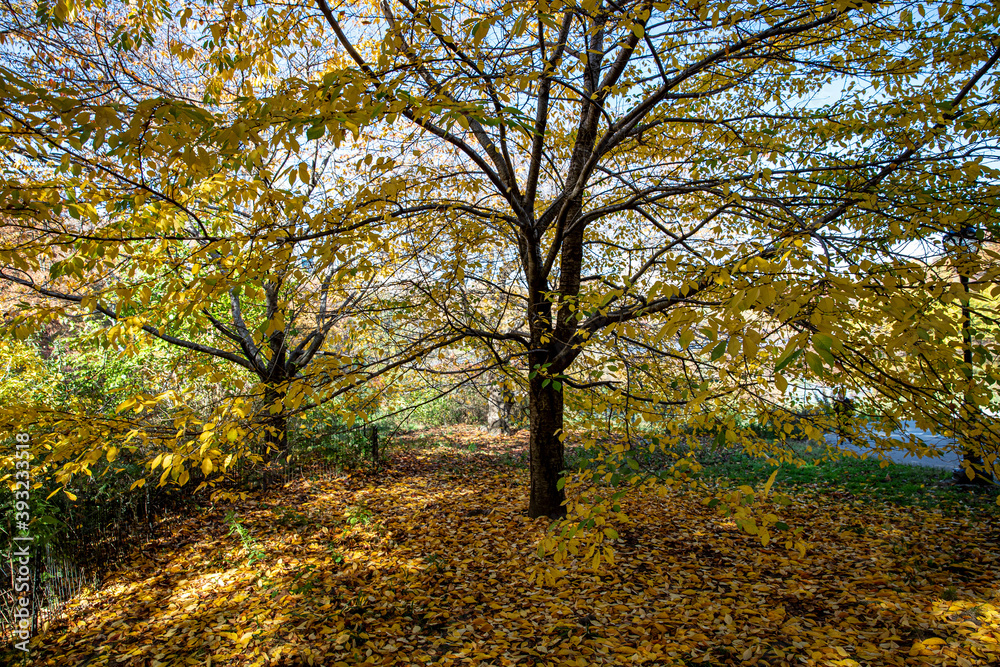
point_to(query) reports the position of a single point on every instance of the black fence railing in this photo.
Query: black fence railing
(94, 536)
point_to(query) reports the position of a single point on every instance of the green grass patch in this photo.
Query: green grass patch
(867, 478)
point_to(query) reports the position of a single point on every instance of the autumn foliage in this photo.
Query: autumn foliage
(677, 213)
(249, 223)
(429, 563)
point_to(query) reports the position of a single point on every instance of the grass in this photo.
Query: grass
(868, 479)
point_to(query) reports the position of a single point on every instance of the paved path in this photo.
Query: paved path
(950, 459)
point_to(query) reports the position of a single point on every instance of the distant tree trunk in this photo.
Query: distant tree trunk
(500, 406)
(546, 405)
(972, 461)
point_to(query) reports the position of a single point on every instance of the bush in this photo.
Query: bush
(462, 406)
(341, 450)
(322, 434)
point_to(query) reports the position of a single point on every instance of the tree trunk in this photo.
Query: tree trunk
(500, 406)
(971, 459)
(275, 426)
(546, 449)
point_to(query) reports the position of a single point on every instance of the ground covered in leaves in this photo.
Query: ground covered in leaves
(427, 562)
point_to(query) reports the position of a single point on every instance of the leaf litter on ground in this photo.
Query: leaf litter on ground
(428, 562)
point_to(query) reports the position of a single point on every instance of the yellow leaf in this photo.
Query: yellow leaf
(770, 481)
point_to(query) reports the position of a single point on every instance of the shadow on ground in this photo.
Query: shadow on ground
(428, 562)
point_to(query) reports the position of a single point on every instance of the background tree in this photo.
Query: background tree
(157, 182)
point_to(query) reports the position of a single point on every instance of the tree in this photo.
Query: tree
(637, 177)
(159, 183)
(644, 211)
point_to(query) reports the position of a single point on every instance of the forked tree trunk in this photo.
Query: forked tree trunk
(277, 436)
(546, 448)
(275, 426)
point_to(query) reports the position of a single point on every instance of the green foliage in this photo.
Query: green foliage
(254, 552)
(462, 406)
(25, 377)
(48, 519)
(332, 443)
(584, 457)
(358, 515)
(101, 376)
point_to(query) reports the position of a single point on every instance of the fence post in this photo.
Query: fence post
(36, 593)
